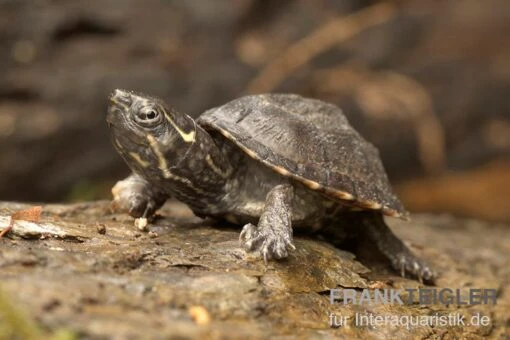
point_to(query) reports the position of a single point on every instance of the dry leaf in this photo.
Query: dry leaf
(32, 214)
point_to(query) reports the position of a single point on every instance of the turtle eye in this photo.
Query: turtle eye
(151, 114)
(148, 117)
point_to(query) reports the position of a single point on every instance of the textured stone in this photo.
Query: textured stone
(124, 283)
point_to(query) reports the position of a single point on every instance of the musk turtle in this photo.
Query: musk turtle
(269, 162)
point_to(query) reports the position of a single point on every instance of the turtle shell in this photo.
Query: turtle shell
(310, 141)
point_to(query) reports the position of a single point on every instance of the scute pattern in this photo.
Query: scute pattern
(313, 141)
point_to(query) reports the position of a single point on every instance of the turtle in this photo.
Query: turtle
(270, 163)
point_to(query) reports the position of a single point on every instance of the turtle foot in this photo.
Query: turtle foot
(137, 197)
(400, 256)
(264, 239)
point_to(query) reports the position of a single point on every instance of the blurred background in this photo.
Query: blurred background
(428, 82)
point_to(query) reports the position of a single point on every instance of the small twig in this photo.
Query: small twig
(322, 39)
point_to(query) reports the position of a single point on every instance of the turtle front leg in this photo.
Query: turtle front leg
(136, 196)
(401, 258)
(273, 234)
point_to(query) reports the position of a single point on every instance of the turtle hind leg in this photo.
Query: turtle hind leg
(273, 234)
(402, 259)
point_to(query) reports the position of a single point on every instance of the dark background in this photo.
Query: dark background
(429, 85)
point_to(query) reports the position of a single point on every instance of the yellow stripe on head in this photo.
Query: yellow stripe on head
(188, 137)
(139, 159)
(162, 164)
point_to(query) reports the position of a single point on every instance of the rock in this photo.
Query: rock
(190, 278)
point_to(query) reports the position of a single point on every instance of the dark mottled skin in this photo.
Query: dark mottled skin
(268, 162)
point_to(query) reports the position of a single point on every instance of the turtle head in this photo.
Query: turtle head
(147, 132)
(135, 114)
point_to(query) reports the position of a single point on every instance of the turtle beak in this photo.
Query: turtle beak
(119, 104)
(112, 115)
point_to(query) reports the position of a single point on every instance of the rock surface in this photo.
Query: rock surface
(86, 268)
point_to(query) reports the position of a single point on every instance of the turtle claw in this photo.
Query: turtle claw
(265, 255)
(409, 264)
(291, 245)
(248, 237)
(270, 244)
